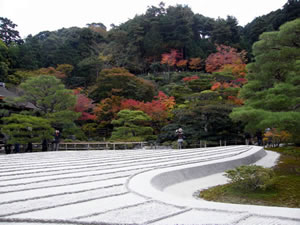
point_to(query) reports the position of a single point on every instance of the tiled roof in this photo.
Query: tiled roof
(6, 93)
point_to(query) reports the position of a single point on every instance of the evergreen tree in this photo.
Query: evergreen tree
(4, 63)
(23, 129)
(49, 96)
(8, 33)
(131, 125)
(273, 91)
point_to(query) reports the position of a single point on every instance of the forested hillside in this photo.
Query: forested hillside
(142, 80)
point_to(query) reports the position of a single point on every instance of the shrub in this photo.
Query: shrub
(251, 178)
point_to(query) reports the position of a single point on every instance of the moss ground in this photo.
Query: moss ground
(285, 192)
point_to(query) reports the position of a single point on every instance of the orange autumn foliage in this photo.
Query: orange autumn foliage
(219, 85)
(277, 136)
(107, 109)
(226, 57)
(171, 58)
(181, 63)
(236, 100)
(51, 71)
(238, 70)
(195, 63)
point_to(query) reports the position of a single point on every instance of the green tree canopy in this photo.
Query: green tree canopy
(119, 82)
(51, 99)
(89, 69)
(8, 33)
(4, 63)
(131, 125)
(47, 94)
(23, 129)
(273, 91)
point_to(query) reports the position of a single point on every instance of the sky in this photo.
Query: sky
(34, 16)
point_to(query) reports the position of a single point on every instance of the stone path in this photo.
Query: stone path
(123, 187)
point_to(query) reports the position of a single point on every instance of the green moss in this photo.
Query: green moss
(285, 191)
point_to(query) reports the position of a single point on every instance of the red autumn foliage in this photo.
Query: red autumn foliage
(216, 86)
(83, 105)
(187, 79)
(157, 109)
(219, 85)
(130, 104)
(234, 99)
(225, 55)
(240, 81)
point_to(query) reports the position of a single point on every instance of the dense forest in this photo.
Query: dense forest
(164, 69)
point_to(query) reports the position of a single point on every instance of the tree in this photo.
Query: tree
(23, 129)
(29, 56)
(49, 96)
(176, 27)
(84, 105)
(178, 91)
(171, 58)
(107, 109)
(225, 55)
(4, 63)
(8, 33)
(271, 21)
(65, 69)
(105, 112)
(198, 84)
(64, 46)
(89, 68)
(195, 63)
(52, 72)
(291, 10)
(181, 64)
(119, 82)
(158, 109)
(131, 125)
(225, 31)
(272, 93)
(276, 137)
(98, 27)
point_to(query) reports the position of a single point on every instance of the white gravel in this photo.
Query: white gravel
(96, 187)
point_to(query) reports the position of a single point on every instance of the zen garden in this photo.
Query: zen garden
(166, 84)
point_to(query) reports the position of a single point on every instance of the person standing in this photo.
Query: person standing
(259, 137)
(29, 147)
(179, 133)
(56, 141)
(45, 145)
(17, 148)
(247, 138)
(7, 146)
